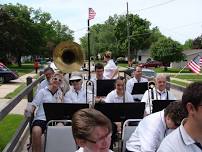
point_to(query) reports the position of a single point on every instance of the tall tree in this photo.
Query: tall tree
(188, 44)
(25, 31)
(139, 33)
(197, 43)
(166, 50)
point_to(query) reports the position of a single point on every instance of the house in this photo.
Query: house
(143, 56)
(190, 55)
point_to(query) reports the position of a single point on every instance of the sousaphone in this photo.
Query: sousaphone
(68, 56)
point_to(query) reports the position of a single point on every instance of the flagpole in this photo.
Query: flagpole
(180, 71)
(88, 49)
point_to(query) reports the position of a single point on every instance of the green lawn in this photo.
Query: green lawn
(16, 91)
(184, 84)
(191, 77)
(24, 69)
(170, 70)
(8, 127)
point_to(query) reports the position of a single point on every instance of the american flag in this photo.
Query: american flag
(91, 14)
(200, 61)
(194, 64)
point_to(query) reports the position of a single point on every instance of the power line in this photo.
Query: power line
(156, 5)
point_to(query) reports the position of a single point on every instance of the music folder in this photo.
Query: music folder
(139, 88)
(119, 112)
(158, 105)
(105, 86)
(62, 111)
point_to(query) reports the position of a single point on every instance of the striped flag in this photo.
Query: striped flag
(91, 14)
(194, 64)
(200, 61)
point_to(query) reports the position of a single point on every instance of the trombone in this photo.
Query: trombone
(151, 86)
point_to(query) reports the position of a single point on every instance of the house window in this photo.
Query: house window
(139, 58)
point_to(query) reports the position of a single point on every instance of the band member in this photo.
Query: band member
(92, 131)
(110, 69)
(51, 94)
(136, 79)
(153, 128)
(187, 137)
(77, 93)
(48, 72)
(117, 95)
(99, 70)
(159, 92)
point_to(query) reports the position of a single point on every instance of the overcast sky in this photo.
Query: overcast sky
(179, 19)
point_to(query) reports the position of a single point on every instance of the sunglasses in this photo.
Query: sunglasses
(57, 79)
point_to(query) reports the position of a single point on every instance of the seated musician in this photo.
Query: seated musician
(99, 70)
(117, 95)
(48, 72)
(136, 79)
(77, 93)
(153, 128)
(92, 131)
(158, 93)
(53, 94)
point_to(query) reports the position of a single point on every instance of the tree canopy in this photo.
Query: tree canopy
(167, 50)
(25, 31)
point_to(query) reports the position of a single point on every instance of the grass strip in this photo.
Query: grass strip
(8, 127)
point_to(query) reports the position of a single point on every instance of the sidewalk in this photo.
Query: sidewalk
(10, 87)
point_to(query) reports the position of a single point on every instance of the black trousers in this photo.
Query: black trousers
(128, 151)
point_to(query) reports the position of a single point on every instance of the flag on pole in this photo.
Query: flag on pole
(91, 14)
(194, 64)
(200, 61)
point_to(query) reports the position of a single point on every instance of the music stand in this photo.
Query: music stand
(105, 86)
(158, 105)
(62, 111)
(139, 88)
(119, 112)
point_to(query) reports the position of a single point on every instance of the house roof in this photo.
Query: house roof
(191, 52)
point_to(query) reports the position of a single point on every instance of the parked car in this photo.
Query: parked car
(6, 74)
(148, 73)
(151, 64)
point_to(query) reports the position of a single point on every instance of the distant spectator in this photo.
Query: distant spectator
(36, 65)
(110, 69)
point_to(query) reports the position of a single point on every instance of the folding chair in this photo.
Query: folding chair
(59, 138)
(129, 127)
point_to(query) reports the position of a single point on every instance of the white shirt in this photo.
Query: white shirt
(109, 69)
(44, 96)
(179, 141)
(157, 95)
(42, 85)
(113, 97)
(75, 97)
(149, 133)
(130, 84)
(81, 149)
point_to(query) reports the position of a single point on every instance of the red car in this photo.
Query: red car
(151, 64)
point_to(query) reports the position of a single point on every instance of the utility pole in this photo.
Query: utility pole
(128, 37)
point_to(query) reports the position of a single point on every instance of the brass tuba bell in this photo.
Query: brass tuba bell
(68, 56)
